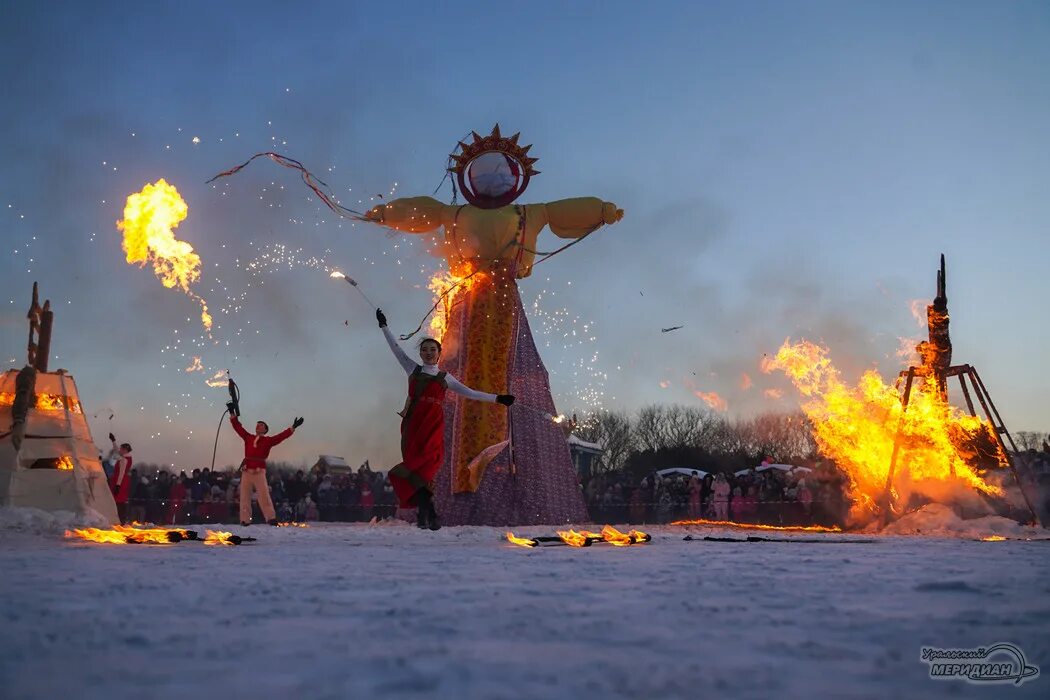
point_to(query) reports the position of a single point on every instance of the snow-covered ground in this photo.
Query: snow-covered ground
(389, 611)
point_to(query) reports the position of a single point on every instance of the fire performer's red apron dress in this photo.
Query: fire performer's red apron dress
(121, 470)
(422, 432)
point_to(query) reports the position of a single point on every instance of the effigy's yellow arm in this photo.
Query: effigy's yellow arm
(576, 217)
(411, 214)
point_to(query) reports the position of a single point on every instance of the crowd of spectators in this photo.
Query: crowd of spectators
(203, 496)
(811, 496)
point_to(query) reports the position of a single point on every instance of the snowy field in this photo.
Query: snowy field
(389, 611)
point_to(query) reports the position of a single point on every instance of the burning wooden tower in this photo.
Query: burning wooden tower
(934, 374)
(48, 459)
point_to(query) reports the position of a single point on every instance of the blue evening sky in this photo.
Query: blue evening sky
(788, 169)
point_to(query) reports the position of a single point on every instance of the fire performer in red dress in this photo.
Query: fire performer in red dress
(423, 425)
(120, 481)
(253, 468)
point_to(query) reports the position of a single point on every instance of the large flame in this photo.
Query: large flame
(857, 426)
(446, 287)
(149, 219)
(64, 464)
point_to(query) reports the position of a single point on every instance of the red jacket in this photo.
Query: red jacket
(257, 447)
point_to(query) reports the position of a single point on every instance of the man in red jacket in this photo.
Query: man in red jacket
(253, 468)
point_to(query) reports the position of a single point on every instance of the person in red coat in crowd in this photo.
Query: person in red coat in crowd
(176, 501)
(367, 499)
(253, 468)
(423, 425)
(120, 481)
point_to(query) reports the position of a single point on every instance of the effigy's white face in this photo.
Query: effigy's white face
(493, 174)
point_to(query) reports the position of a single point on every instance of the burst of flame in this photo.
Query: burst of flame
(446, 287)
(558, 419)
(756, 526)
(215, 537)
(46, 402)
(520, 541)
(993, 538)
(196, 365)
(65, 464)
(575, 539)
(337, 275)
(857, 426)
(149, 219)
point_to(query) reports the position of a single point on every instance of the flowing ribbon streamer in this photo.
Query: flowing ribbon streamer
(311, 180)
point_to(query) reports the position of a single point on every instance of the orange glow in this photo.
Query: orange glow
(149, 219)
(449, 285)
(46, 402)
(745, 381)
(195, 366)
(712, 399)
(520, 541)
(65, 464)
(993, 538)
(756, 526)
(857, 426)
(773, 394)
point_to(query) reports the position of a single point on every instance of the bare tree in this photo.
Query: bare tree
(649, 429)
(782, 436)
(612, 430)
(1029, 439)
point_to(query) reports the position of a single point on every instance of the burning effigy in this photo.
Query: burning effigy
(500, 467)
(901, 450)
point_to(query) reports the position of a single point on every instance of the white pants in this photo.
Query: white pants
(255, 478)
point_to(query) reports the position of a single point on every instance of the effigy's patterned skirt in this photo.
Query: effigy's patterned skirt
(489, 346)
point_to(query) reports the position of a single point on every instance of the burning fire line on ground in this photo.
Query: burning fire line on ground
(123, 534)
(757, 526)
(583, 538)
